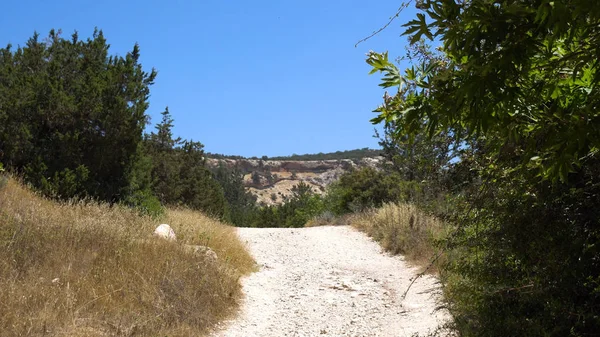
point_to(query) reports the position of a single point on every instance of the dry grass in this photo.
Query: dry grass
(197, 229)
(403, 229)
(86, 269)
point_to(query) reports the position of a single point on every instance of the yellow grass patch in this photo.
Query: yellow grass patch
(403, 229)
(88, 269)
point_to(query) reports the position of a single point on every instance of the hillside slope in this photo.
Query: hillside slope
(86, 269)
(272, 180)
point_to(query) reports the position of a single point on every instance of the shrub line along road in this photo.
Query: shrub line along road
(330, 281)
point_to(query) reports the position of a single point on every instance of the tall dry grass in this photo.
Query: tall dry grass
(403, 229)
(87, 269)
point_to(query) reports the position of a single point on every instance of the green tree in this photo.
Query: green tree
(140, 192)
(520, 94)
(161, 147)
(527, 76)
(179, 175)
(199, 190)
(365, 188)
(71, 116)
(241, 203)
(421, 163)
(256, 178)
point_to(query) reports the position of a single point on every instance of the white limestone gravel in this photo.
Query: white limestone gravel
(330, 281)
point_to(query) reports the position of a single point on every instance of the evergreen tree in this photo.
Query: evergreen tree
(198, 188)
(242, 204)
(161, 147)
(178, 173)
(71, 116)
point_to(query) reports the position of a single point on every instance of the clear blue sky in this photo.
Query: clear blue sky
(250, 78)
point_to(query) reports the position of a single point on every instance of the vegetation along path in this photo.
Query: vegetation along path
(331, 281)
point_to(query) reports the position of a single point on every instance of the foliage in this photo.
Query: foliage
(520, 96)
(199, 189)
(160, 147)
(364, 188)
(145, 202)
(256, 178)
(71, 116)
(525, 260)
(241, 203)
(419, 159)
(349, 154)
(302, 206)
(223, 156)
(524, 73)
(72, 120)
(178, 174)
(424, 166)
(139, 194)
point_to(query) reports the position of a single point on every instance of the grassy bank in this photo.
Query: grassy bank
(403, 229)
(87, 269)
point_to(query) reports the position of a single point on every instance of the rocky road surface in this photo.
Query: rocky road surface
(330, 281)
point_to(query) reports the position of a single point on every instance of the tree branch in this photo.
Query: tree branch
(402, 6)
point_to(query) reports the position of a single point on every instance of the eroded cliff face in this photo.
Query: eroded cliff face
(272, 180)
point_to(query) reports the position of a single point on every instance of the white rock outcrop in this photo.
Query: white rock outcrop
(166, 232)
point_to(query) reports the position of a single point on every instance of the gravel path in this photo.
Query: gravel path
(330, 281)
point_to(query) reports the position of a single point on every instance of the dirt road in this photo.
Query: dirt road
(330, 281)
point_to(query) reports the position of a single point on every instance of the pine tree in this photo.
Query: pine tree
(72, 116)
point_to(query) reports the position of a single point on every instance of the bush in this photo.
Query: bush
(525, 262)
(323, 219)
(145, 203)
(302, 206)
(363, 189)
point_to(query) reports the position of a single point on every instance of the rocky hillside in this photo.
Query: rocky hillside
(272, 180)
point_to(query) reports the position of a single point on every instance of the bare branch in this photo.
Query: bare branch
(402, 6)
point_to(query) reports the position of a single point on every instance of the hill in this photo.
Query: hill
(271, 181)
(338, 155)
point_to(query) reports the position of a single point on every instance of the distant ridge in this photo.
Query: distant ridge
(348, 154)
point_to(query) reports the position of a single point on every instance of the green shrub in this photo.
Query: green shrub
(146, 203)
(525, 262)
(302, 206)
(363, 189)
